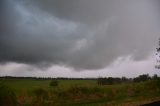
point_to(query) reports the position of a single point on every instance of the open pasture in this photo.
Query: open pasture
(82, 92)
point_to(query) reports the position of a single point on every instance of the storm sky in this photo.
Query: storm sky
(78, 38)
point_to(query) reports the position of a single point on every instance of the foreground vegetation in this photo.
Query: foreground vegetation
(29, 92)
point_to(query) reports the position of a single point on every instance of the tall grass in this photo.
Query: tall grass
(82, 94)
(7, 96)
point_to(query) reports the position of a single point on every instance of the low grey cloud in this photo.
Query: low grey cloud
(82, 34)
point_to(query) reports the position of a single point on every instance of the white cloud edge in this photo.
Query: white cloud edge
(122, 66)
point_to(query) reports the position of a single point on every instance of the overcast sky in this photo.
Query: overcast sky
(78, 38)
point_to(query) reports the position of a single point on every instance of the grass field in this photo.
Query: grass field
(27, 85)
(82, 93)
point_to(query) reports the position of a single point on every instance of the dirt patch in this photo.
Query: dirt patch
(157, 103)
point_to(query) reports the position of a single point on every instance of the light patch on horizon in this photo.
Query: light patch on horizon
(122, 66)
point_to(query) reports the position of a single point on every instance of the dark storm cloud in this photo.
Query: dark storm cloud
(83, 34)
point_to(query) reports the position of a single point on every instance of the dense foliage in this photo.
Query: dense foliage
(7, 96)
(111, 80)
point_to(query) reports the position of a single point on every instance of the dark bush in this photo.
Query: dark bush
(54, 83)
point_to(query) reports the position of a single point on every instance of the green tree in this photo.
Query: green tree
(155, 77)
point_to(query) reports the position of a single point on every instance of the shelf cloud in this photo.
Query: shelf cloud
(80, 34)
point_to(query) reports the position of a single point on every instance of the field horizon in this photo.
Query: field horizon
(83, 92)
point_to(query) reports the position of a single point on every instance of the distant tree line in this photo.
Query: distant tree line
(100, 80)
(112, 80)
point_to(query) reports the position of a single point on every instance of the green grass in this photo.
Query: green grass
(27, 85)
(85, 92)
